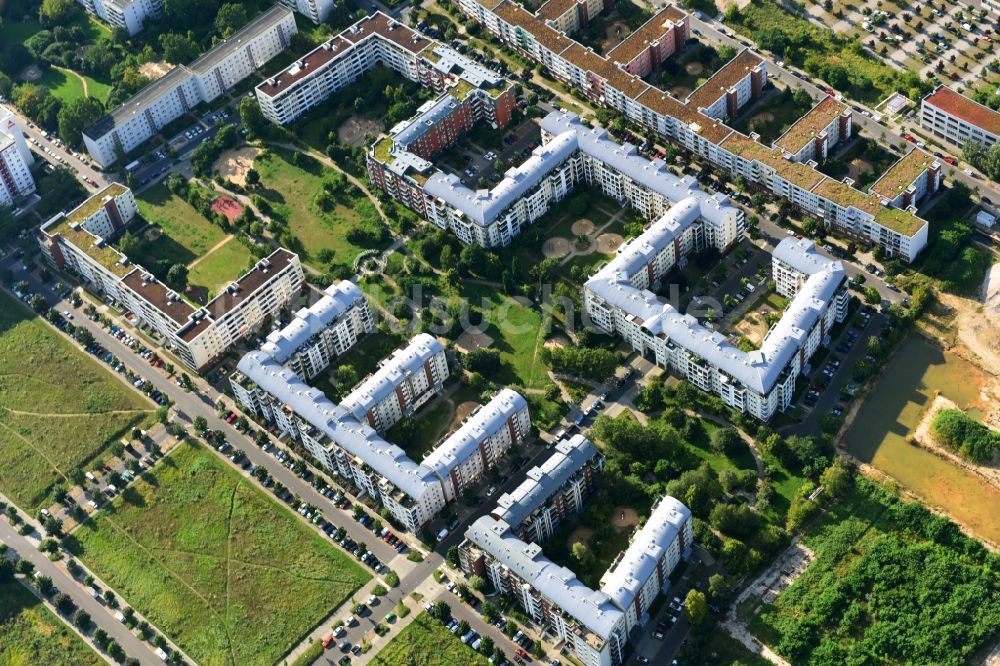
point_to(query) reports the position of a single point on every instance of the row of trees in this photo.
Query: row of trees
(959, 431)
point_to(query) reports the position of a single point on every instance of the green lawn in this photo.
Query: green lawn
(221, 267)
(65, 85)
(59, 410)
(426, 642)
(430, 425)
(213, 562)
(31, 634)
(291, 191)
(772, 116)
(187, 235)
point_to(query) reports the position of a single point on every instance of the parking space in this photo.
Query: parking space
(158, 162)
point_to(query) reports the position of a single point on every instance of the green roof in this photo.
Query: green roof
(899, 220)
(85, 210)
(461, 89)
(105, 255)
(429, 54)
(383, 150)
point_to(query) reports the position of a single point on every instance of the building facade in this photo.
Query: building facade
(15, 160)
(129, 15)
(185, 86)
(314, 10)
(957, 119)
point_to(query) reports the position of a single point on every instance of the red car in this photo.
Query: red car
(831, 93)
(909, 137)
(950, 160)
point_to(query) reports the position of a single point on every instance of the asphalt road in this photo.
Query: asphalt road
(99, 613)
(35, 132)
(709, 29)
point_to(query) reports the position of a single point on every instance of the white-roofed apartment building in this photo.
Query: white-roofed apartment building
(594, 625)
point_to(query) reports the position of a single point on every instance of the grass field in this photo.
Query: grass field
(291, 191)
(59, 410)
(67, 86)
(214, 563)
(31, 634)
(188, 237)
(425, 642)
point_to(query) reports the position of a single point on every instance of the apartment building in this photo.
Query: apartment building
(322, 332)
(184, 87)
(916, 175)
(15, 160)
(644, 51)
(402, 384)
(620, 300)
(957, 119)
(343, 438)
(381, 40)
(551, 491)
(594, 625)
(314, 10)
(129, 15)
(813, 136)
(568, 16)
(694, 124)
(464, 457)
(198, 335)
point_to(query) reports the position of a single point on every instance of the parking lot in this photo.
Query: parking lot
(948, 41)
(158, 162)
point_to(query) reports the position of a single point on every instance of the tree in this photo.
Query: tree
(477, 583)
(200, 424)
(252, 117)
(485, 361)
(231, 17)
(177, 277)
(725, 440)
(82, 619)
(76, 116)
(442, 611)
(44, 584)
(179, 49)
(486, 645)
(63, 603)
(57, 12)
(836, 479)
(697, 606)
(39, 304)
(253, 177)
(582, 555)
(719, 588)
(872, 297)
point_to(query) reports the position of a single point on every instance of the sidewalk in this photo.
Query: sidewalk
(430, 590)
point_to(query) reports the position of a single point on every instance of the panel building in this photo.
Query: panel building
(15, 160)
(129, 15)
(78, 241)
(184, 87)
(957, 119)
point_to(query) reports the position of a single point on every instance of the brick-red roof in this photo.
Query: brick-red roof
(962, 107)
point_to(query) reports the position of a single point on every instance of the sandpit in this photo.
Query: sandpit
(556, 341)
(356, 130)
(614, 35)
(579, 535)
(694, 68)
(154, 70)
(624, 517)
(233, 165)
(609, 243)
(583, 227)
(152, 233)
(556, 247)
(31, 73)
(752, 326)
(472, 340)
(858, 167)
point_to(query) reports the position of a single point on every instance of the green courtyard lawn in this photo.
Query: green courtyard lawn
(419, 435)
(59, 410)
(876, 556)
(68, 86)
(216, 564)
(773, 115)
(426, 642)
(292, 193)
(864, 160)
(221, 266)
(31, 634)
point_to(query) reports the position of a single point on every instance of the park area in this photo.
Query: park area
(891, 582)
(222, 569)
(31, 634)
(773, 114)
(426, 642)
(182, 235)
(329, 220)
(59, 410)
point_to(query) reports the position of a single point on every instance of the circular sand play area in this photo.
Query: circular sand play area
(557, 342)
(356, 130)
(694, 68)
(609, 243)
(556, 247)
(614, 35)
(233, 165)
(152, 233)
(857, 168)
(583, 227)
(624, 517)
(579, 535)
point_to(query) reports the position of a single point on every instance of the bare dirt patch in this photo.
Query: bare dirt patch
(472, 340)
(233, 165)
(154, 70)
(579, 535)
(556, 247)
(462, 411)
(924, 436)
(583, 227)
(624, 518)
(752, 326)
(152, 233)
(356, 130)
(556, 342)
(614, 35)
(858, 167)
(680, 92)
(609, 243)
(694, 68)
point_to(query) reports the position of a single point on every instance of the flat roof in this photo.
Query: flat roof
(387, 28)
(85, 210)
(901, 175)
(962, 107)
(238, 39)
(809, 126)
(249, 283)
(553, 9)
(94, 247)
(305, 66)
(138, 102)
(666, 104)
(164, 299)
(719, 83)
(649, 32)
(543, 33)
(800, 174)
